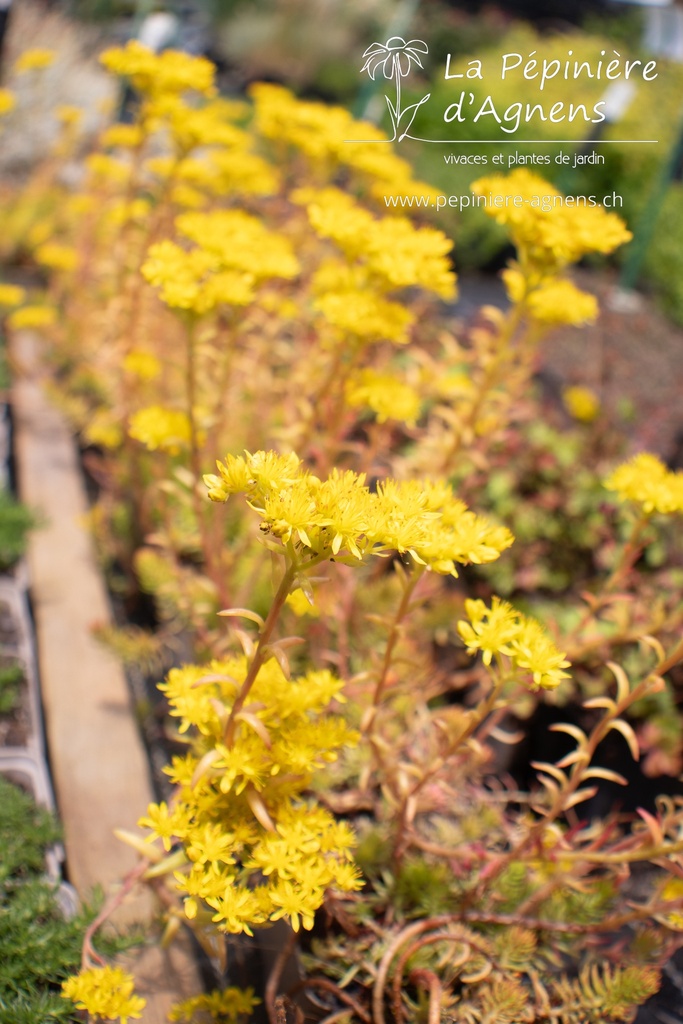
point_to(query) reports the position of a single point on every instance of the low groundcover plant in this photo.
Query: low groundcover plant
(228, 279)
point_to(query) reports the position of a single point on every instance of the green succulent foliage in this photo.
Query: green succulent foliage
(580, 907)
(26, 831)
(513, 885)
(39, 950)
(554, 504)
(135, 647)
(423, 888)
(10, 681)
(663, 262)
(515, 947)
(600, 995)
(373, 852)
(38, 947)
(5, 378)
(603, 993)
(15, 522)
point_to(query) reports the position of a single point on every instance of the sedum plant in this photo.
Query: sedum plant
(467, 909)
(230, 279)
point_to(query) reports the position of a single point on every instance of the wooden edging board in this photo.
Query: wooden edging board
(99, 766)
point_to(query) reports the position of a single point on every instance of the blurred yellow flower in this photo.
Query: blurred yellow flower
(144, 365)
(389, 398)
(646, 480)
(32, 316)
(103, 430)
(123, 136)
(193, 280)
(11, 294)
(366, 315)
(159, 428)
(541, 217)
(301, 606)
(69, 116)
(7, 101)
(228, 1004)
(561, 302)
(56, 256)
(34, 60)
(581, 403)
(157, 74)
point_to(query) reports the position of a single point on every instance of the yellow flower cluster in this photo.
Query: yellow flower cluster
(240, 171)
(36, 59)
(673, 890)
(323, 134)
(106, 993)
(11, 294)
(240, 242)
(193, 280)
(646, 481)
(159, 428)
(353, 302)
(69, 115)
(314, 128)
(234, 253)
(366, 316)
(157, 74)
(102, 167)
(550, 233)
(581, 403)
(32, 316)
(545, 220)
(555, 301)
(501, 629)
(104, 430)
(56, 256)
(226, 1005)
(227, 164)
(190, 126)
(239, 811)
(122, 136)
(7, 101)
(394, 252)
(388, 397)
(341, 516)
(143, 365)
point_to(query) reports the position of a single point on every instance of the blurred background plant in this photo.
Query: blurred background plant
(289, 43)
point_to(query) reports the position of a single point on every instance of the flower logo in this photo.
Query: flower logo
(395, 58)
